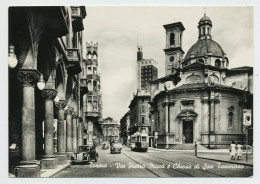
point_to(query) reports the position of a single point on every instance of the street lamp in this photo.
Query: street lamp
(40, 83)
(12, 60)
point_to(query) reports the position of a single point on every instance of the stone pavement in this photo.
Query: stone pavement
(46, 173)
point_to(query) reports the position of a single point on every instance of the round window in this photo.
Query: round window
(172, 58)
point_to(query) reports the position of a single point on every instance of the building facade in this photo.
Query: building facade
(111, 130)
(140, 114)
(46, 85)
(92, 99)
(125, 128)
(201, 99)
(146, 70)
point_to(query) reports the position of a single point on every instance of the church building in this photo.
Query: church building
(200, 99)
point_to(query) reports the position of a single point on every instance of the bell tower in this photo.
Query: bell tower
(173, 49)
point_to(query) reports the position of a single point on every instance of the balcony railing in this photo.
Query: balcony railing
(93, 76)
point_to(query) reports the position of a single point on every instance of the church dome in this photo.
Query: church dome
(204, 18)
(204, 47)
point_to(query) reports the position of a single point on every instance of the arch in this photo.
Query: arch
(193, 79)
(201, 61)
(217, 63)
(45, 60)
(214, 79)
(94, 85)
(60, 81)
(172, 39)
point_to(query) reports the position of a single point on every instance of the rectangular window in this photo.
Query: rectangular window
(142, 120)
(144, 138)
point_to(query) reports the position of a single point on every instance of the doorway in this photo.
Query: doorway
(188, 131)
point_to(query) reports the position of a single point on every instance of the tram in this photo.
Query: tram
(139, 141)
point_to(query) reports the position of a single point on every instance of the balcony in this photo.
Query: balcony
(93, 76)
(73, 57)
(93, 114)
(78, 13)
(83, 86)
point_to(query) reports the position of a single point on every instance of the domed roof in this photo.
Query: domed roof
(203, 47)
(204, 18)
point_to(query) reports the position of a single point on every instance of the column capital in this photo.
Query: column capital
(61, 104)
(28, 76)
(49, 94)
(69, 111)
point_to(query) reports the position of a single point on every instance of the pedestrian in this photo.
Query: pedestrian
(183, 139)
(239, 152)
(232, 150)
(196, 147)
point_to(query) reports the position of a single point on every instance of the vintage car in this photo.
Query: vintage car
(116, 147)
(105, 145)
(85, 154)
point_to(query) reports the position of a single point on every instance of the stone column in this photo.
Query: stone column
(80, 133)
(74, 133)
(61, 148)
(69, 112)
(28, 166)
(49, 161)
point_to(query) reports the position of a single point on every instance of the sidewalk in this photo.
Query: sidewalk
(225, 157)
(47, 173)
(221, 155)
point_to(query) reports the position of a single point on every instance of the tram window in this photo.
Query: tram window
(138, 138)
(143, 138)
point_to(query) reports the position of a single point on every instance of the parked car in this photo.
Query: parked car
(105, 145)
(116, 147)
(85, 154)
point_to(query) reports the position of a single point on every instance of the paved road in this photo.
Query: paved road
(154, 164)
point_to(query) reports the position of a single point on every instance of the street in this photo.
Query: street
(154, 164)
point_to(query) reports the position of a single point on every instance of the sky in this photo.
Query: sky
(118, 30)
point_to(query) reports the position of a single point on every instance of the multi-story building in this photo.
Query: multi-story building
(146, 70)
(111, 130)
(139, 113)
(200, 99)
(92, 98)
(125, 128)
(45, 52)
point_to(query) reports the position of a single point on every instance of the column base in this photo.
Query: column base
(27, 171)
(48, 156)
(62, 159)
(49, 163)
(69, 154)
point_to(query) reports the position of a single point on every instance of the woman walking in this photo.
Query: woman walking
(232, 150)
(239, 152)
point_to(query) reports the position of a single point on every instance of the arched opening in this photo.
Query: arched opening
(94, 85)
(203, 31)
(95, 70)
(89, 103)
(217, 63)
(59, 83)
(172, 39)
(89, 85)
(201, 61)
